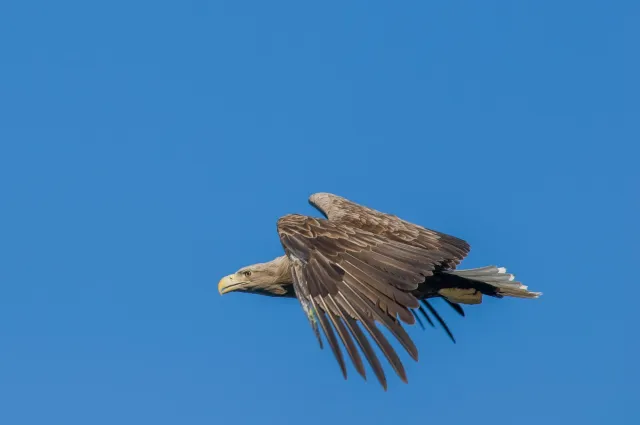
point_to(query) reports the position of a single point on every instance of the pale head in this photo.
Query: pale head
(272, 278)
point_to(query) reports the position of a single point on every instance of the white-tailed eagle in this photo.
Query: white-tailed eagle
(359, 267)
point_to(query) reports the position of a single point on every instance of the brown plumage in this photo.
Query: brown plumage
(359, 267)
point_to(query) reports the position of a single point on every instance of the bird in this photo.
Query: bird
(356, 268)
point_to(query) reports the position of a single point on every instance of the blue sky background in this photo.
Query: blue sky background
(147, 148)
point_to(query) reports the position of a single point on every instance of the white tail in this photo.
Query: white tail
(499, 279)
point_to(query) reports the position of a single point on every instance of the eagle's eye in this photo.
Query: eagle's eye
(247, 273)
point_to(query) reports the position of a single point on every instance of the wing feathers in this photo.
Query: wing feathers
(363, 342)
(439, 319)
(382, 342)
(393, 308)
(426, 316)
(455, 306)
(362, 266)
(367, 276)
(344, 336)
(331, 338)
(393, 326)
(375, 273)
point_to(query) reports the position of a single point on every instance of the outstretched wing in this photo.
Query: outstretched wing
(360, 267)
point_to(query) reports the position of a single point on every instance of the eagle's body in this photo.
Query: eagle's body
(359, 267)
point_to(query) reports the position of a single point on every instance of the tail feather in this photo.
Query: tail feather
(498, 278)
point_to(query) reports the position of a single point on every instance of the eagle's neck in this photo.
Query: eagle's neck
(281, 270)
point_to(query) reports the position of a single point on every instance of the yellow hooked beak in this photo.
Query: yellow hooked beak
(227, 284)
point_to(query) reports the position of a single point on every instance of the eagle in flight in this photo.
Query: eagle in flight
(358, 267)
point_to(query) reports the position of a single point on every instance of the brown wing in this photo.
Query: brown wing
(355, 270)
(340, 210)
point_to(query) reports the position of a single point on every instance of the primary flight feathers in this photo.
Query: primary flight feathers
(358, 267)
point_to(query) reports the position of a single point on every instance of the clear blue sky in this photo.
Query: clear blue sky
(147, 148)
